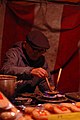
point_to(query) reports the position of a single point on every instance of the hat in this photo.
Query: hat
(37, 40)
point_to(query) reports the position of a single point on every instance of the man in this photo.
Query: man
(26, 60)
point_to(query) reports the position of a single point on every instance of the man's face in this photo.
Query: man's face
(33, 53)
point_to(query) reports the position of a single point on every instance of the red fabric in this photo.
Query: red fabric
(69, 38)
(18, 22)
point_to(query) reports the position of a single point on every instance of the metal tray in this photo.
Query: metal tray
(51, 100)
(73, 95)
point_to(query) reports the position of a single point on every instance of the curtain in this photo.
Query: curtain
(60, 23)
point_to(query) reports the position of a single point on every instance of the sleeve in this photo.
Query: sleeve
(11, 67)
(48, 70)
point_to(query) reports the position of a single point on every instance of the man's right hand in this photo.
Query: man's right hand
(40, 72)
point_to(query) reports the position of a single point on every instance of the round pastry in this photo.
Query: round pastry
(71, 106)
(22, 118)
(28, 117)
(42, 114)
(77, 104)
(29, 110)
(3, 102)
(49, 107)
(66, 104)
(7, 116)
(61, 109)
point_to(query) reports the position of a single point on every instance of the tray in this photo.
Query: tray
(52, 100)
(73, 95)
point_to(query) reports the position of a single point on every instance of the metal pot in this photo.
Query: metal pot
(8, 85)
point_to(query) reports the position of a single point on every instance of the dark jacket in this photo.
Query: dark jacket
(18, 63)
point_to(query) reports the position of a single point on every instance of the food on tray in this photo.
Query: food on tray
(7, 116)
(29, 109)
(40, 114)
(3, 101)
(49, 107)
(71, 106)
(28, 117)
(61, 109)
(77, 104)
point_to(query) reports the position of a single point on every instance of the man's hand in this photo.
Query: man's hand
(40, 72)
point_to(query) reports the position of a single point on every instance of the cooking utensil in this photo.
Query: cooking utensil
(48, 83)
(7, 85)
(58, 78)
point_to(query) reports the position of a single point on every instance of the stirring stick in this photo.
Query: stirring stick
(48, 84)
(58, 78)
